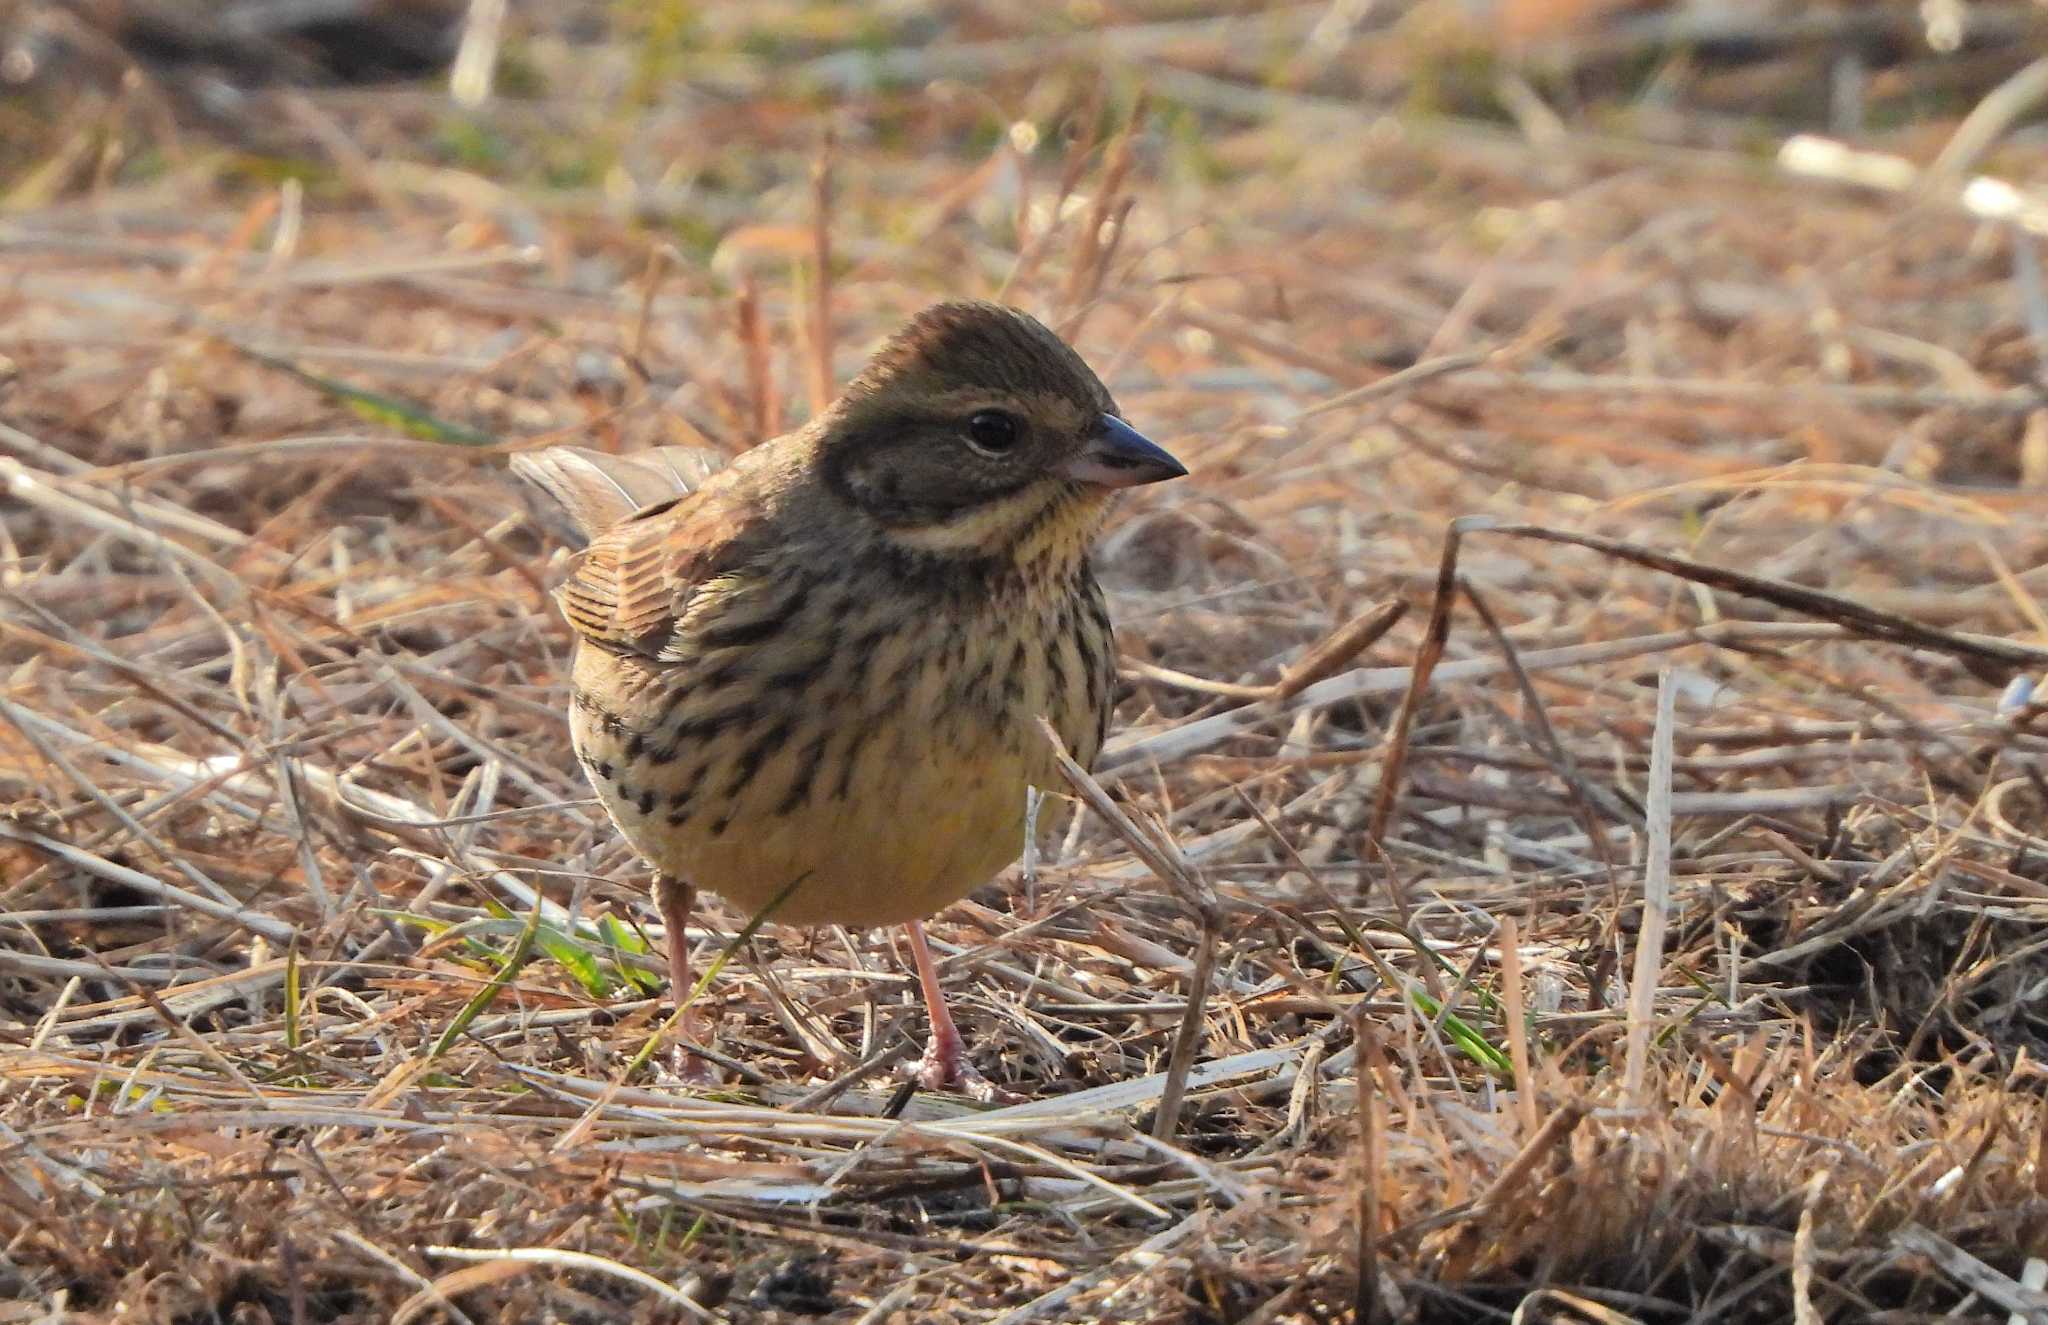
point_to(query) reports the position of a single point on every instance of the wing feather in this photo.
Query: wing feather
(634, 581)
(599, 490)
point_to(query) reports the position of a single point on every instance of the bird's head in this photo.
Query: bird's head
(976, 431)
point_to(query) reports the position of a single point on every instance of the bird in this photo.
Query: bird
(817, 672)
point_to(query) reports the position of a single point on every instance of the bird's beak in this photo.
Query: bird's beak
(1119, 456)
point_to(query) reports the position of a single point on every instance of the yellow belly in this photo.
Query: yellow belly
(879, 761)
(915, 835)
(907, 814)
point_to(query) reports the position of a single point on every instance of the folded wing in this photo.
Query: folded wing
(660, 523)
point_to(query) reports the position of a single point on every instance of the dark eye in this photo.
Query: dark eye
(993, 431)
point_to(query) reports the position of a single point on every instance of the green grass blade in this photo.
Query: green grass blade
(391, 411)
(1468, 1039)
(484, 997)
(580, 964)
(292, 1034)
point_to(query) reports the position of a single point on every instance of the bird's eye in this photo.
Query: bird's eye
(994, 432)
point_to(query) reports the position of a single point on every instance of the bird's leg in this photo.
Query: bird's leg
(945, 1055)
(674, 897)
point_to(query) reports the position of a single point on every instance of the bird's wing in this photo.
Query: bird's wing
(599, 491)
(632, 585)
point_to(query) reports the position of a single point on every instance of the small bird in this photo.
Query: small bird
(820, 670)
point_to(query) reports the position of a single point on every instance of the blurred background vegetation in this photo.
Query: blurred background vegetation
(281, 754)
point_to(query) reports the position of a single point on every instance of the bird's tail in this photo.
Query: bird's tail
(598, 490)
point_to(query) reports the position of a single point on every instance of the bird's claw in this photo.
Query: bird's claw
(941, 1070)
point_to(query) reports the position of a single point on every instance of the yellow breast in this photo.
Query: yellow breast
(879, 757)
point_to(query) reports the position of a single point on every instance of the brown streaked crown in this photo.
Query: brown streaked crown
(973, 345)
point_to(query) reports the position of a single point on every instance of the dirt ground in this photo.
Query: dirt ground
(1647, 924)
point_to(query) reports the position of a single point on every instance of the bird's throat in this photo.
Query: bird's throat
(1039, 535)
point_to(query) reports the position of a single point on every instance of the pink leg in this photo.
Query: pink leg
(945, 1056)
(674, 898)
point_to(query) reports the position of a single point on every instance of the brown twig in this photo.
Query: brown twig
(1991, 660)
(821, 333)
(765, 404)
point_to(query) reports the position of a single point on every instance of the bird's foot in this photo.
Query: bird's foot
(945, 1067)
(687, 1068)
(685, 1064)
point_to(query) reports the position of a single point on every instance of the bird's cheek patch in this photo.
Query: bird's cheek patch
(985, 529)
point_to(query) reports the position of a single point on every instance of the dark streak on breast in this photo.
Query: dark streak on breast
(750, 761)
(742, 633)
(798, 679)
(679, 799)
(806, 773)
(849, 759)
(705, 727)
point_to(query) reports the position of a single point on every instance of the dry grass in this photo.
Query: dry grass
(323, 994)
